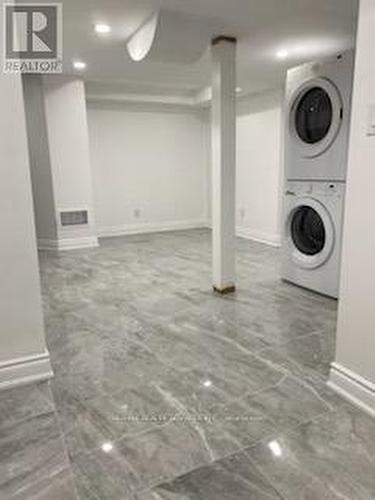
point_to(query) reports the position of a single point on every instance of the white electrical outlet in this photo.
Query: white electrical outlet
(371, 120)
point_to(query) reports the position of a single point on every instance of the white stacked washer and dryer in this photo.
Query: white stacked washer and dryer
(317, 121)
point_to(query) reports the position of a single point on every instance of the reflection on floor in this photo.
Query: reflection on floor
(33, 461)
(166, 392)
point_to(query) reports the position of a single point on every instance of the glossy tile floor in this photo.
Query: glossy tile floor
(33, 461)
(166, 392)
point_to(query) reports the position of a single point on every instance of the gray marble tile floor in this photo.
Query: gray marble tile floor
(165, 391)
(34, 464)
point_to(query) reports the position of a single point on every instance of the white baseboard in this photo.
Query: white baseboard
(25, 370)
(266, 238)
(151, 227)
(44, 244)
(353, 387)
(273, 240)
(68, 243)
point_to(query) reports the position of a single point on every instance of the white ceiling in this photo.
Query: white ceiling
(309, 29)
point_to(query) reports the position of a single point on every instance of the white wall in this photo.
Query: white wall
(259, 176)
(354, 370)
(259, 167)
(157, 160)
(21, 319)
(148, 166)
(40, 167)
(65, 109)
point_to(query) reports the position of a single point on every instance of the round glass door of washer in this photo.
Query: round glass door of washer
(307, 230)
(310, 233)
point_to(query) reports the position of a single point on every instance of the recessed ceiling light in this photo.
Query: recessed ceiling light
(282, 54)
(80, 65)
(102, 28)
(238, 90)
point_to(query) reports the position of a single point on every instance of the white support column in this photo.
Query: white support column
(223, 163)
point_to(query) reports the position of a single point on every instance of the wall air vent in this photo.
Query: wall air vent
(74, 218)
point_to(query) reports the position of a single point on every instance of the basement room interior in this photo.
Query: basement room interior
(188, 252)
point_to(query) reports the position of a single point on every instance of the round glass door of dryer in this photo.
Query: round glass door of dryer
(315, 117)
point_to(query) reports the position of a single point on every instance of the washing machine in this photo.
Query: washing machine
(317, 119)
(312, 233)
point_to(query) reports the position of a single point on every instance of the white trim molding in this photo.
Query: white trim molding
(44, 244)
(273, 240)
(151, 227)
(68, 243)
(353, 387)
(23, 371)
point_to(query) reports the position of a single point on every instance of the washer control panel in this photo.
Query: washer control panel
(310, 188)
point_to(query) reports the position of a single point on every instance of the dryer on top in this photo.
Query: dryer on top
(317, 119)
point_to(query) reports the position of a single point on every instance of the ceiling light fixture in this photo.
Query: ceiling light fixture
(282, 54)
(102, 29)
(80, 65)
(238, 90)
(141, 43)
